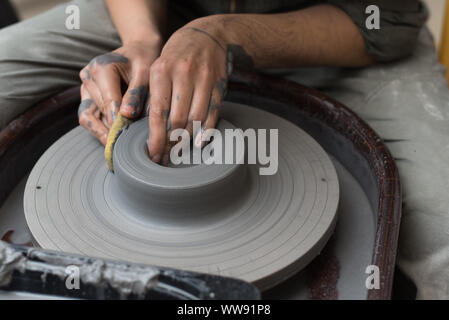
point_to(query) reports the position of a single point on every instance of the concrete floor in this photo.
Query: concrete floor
(29, 8)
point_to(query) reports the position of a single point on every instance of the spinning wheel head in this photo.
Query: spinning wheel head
(221, 219)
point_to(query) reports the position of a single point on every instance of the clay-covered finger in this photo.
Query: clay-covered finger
(107, 80)
(135, 97)
(91, 87)
(212, 117)
(179, 111)
(160, 100)
(102, 79)
(200, 103)
(89, 117)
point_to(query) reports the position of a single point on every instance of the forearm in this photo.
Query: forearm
(139, 20)
(319, 35)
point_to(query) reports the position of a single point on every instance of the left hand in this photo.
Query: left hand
(188, 83)
(101, 89)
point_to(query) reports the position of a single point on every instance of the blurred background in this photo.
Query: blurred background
(28, 8)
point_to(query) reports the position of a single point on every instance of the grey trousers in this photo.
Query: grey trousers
(406, 102)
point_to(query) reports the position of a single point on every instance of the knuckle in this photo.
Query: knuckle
(206, 72)
(107, 102)
(83, 119)
(177, 120)
(84, 74)
(157, 110)
(91, 63)
(94, 69)
(185, 67)
(159, 67)
(97, 69)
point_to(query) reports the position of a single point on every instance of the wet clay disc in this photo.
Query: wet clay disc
(222, 219)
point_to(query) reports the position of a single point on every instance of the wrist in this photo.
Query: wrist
(147, 36)
(213, 25)
(228, 31)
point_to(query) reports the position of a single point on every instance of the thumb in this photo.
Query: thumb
(135, 97)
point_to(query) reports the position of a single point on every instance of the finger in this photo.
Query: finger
(99, 116)
(166, 153)
(134, 99)
(107, 80)
(91, 87)
(88, 117)
(212, 117)
(179, 111)
(160, 100)
(200, 102)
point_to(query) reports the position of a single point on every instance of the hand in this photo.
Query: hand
(101, 90)
(188, 82)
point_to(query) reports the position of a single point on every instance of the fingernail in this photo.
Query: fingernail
(104, 139)
(156, 158)
(165, 160)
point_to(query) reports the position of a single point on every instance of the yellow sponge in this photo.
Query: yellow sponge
(117, 127)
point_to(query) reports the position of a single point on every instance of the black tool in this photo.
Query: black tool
(39, 271)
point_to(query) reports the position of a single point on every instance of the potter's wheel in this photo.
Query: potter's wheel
(225, 220)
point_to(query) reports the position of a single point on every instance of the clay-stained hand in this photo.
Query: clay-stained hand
(103, 80)
(188, 82)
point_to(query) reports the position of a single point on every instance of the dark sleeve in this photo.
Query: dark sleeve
(400, 23)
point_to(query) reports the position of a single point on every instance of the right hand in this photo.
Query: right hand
(101, 91)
